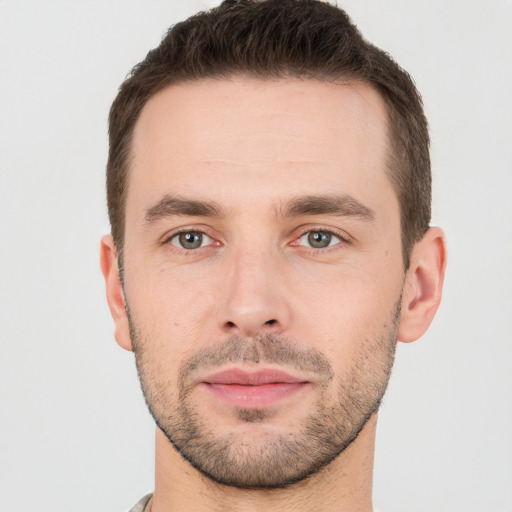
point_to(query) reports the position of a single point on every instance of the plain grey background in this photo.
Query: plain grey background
(74, 431)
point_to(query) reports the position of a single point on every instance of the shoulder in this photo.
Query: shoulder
(141, 504)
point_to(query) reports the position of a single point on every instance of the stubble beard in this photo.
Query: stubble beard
(268, 460)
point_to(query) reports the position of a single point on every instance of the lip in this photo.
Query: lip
(253, 390)
(258, 378)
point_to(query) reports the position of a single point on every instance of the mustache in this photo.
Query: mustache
(267, 348)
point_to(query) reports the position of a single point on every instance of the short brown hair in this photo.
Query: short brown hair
(276, 39)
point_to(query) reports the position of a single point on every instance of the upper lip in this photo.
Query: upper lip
(254, 378)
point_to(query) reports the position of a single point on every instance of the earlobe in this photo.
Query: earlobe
(114, 290)
(423, 286)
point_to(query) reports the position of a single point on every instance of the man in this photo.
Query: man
(268, 188)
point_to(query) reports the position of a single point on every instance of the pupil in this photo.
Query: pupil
(319, 239)
(191, 240)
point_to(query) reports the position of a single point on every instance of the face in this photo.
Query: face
(262, 272)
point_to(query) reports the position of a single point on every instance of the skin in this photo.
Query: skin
(253, 147)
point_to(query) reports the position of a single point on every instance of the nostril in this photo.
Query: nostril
(247, 327)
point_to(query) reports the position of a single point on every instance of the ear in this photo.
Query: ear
(423, 285)
(115, 293)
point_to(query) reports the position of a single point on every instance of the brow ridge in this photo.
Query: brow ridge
(338, 205)
(171, 205)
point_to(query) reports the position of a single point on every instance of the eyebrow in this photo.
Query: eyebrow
(338, 205)
(341, 206)
(170, 206)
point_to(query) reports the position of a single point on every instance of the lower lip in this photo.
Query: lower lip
(255, 397)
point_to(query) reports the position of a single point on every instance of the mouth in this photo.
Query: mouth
(253, 390)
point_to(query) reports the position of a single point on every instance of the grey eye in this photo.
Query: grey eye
(319, 239)
(190, 240)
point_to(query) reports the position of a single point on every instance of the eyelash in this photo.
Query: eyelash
(189, 229)
(344, 239)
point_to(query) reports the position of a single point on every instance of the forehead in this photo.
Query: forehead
(261, 137)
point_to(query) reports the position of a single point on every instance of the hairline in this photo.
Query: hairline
(392, 163)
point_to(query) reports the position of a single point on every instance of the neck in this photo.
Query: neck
(345, 484)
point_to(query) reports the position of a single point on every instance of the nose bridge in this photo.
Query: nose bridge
(254, 302)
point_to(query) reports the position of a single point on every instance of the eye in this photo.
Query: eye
(319, 239)
(190, 240)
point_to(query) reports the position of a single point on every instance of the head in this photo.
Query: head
(269, 193)
(271, 40)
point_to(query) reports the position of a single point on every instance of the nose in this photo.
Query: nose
(255, 300)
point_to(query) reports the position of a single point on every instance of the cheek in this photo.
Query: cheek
(346, 307)
(169, 306)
